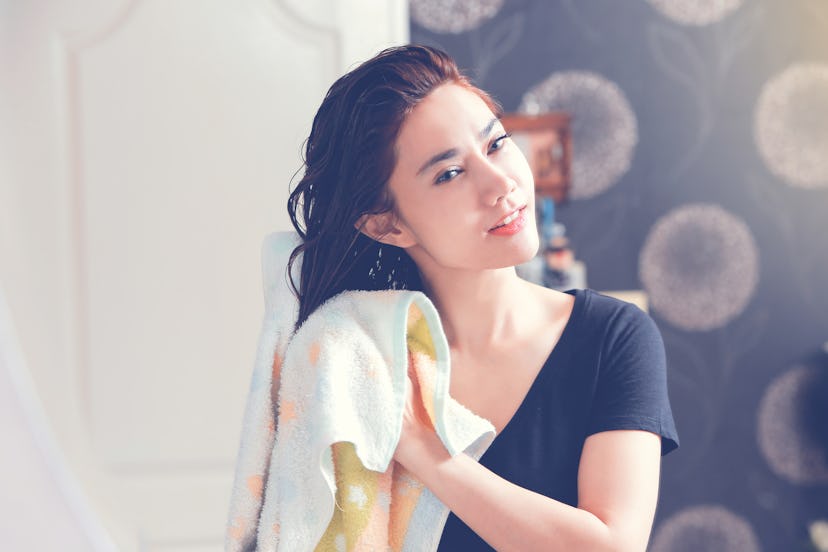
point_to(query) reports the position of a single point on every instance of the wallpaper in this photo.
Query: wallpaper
(699, 175)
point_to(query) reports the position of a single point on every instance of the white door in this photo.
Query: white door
(146, 148)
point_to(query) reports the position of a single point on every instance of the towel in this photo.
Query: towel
(318, 472)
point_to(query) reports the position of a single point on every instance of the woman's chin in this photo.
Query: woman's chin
(523, 253)
(530, 248)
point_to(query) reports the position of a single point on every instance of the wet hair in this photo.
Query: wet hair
(349, 157)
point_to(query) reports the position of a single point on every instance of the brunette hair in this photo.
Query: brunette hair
(349, 157)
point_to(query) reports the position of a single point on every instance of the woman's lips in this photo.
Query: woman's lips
(511, 224)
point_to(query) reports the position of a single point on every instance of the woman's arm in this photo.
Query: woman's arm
(617, 492)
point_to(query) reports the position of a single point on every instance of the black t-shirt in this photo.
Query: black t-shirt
(607, 371)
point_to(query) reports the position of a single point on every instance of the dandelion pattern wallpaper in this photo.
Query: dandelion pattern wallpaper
(700, 176)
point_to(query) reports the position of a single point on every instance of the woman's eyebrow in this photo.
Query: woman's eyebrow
(442, 156)
(449, 153)
(488, 128)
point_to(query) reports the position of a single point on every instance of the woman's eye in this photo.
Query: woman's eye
(499, 142)
(447, 175)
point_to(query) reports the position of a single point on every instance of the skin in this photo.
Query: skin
(500, 330)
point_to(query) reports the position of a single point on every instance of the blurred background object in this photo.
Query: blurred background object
(546, 142)
(561, 270)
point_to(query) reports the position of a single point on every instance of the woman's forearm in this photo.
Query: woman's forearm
(510, 517)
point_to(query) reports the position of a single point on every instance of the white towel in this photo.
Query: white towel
(328, 481)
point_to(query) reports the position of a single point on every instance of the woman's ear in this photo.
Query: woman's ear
(385, 228)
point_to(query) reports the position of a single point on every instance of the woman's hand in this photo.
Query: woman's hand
(419, 442)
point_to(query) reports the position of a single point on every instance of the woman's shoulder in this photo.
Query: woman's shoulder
(599, 317)
(620, 324)
(588, 312)
(600, 305)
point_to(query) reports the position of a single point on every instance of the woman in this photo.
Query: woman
(411, 182)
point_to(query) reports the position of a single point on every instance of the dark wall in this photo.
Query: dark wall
(700, 175)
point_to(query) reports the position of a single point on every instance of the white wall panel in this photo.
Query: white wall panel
(169, 221)
(146, 150)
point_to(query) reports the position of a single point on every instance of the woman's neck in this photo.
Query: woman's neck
(481, 309)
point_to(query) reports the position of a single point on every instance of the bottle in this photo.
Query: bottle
(561, 270)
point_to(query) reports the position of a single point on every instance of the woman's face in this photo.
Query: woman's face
(457, 180)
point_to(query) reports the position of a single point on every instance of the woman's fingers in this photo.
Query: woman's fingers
(416, 399)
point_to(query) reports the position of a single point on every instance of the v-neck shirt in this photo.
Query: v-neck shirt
(607, 371)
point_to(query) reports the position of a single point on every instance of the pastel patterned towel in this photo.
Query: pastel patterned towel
(320, 474)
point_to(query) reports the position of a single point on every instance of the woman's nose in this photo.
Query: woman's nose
(497, 184)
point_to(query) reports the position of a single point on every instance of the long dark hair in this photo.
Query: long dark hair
(349, 157)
